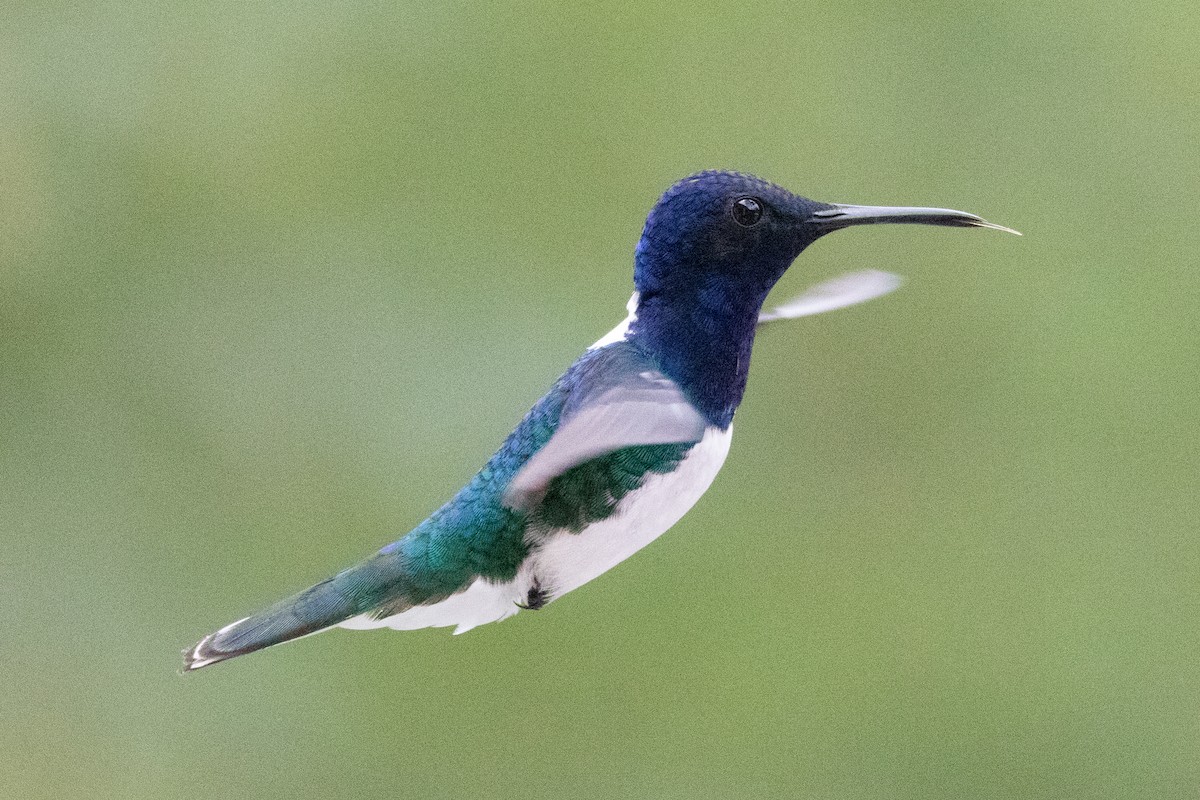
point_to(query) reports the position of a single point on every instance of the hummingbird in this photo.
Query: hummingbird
(625, 441)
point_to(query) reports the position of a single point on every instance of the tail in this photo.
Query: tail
(311, 611)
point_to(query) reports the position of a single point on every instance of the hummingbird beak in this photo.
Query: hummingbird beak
(840, 216)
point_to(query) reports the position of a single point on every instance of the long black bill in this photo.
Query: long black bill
(843, 216)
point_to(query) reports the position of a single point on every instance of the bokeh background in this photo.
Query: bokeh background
(275, 278)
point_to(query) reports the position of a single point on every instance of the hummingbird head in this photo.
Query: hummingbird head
(726, 237)
(713, 246)
(721, 229)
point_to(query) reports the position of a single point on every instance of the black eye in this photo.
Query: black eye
(746, 211)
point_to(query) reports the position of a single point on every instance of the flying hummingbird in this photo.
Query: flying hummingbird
(621, 446)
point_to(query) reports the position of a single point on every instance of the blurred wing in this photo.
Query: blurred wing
(844, 290)
(627, 405)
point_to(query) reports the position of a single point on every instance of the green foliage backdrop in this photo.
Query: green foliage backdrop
(275, 278)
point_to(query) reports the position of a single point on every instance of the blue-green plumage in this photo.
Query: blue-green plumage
(475, 535)
(616, 451)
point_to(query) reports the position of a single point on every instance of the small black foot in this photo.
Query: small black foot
(536, 598)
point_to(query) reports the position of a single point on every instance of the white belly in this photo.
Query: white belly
(565, 561)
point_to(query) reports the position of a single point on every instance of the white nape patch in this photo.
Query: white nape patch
(480, 603)
(565, 561)
(618, 333)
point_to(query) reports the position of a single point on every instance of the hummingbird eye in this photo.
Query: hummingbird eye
(746, 211)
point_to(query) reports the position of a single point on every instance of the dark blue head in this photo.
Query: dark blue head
(725, 235)
(712, 248)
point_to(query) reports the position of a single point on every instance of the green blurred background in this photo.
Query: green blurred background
(275, 278)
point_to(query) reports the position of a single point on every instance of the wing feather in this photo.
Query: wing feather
(626, 402)
(844, 290)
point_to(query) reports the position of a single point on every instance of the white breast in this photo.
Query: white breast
(566, 561)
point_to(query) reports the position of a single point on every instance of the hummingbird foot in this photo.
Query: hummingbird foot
(536, 598)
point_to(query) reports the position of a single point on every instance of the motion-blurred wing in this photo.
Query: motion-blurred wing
(844, 290)
(622, 402)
